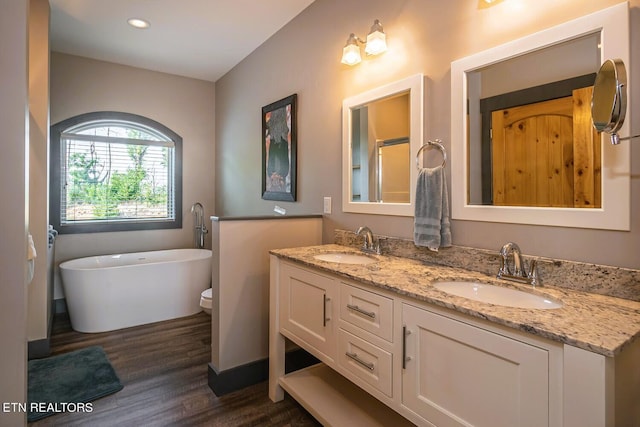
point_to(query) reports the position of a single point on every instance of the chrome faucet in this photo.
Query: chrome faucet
(519, 272)
(370, 244)
(199, 228)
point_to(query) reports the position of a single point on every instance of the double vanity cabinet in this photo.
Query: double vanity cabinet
(390, 359)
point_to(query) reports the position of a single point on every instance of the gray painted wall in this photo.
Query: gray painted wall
(38, 296)
(13, 209)
(81, 85)
(423, 36)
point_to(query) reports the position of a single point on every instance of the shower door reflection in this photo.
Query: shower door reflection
(392, 172)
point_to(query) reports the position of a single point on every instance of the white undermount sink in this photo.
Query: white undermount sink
(342, 258)
(497, 295)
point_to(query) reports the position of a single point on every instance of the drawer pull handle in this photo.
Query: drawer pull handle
(405, 358)
(370, 314)
(324, 310)
(354, 356)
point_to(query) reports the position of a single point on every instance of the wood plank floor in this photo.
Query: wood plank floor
(163, 367)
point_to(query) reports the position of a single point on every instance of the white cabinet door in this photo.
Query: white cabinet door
(461, 375)
(308, 302)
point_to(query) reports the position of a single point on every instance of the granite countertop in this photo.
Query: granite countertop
(597, 323)
(261, 217)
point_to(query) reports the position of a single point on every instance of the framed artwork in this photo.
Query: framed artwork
(279, 143)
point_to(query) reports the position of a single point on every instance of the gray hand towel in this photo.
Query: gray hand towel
(431, 222)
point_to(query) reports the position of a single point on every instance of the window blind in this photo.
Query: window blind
(116, 172)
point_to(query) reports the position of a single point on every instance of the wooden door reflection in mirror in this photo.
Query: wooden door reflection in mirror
(546, 154)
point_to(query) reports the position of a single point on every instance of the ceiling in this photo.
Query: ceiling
(202, 39)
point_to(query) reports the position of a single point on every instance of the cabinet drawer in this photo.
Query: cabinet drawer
(365, 361)
(367, 310)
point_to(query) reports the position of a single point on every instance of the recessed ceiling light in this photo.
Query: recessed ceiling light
(138, 23)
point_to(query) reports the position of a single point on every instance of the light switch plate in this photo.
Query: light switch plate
(327, 205)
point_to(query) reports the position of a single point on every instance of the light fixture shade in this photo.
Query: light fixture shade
(351, 51)
(483, 4)
(138, 23)
(376, 40)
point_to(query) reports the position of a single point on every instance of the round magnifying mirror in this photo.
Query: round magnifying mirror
(609, 99)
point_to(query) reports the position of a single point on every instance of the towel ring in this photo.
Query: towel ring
(432, 144)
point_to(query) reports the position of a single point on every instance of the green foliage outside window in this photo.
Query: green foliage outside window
(93, 183)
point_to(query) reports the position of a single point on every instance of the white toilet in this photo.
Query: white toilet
(205, 300)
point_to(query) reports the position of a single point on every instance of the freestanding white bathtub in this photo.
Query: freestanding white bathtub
(110, 292)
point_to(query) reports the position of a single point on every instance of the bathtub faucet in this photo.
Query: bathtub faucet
(199, 228)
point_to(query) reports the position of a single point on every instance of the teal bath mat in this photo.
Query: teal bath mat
(65, 383)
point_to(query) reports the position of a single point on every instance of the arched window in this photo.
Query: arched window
(113, 171)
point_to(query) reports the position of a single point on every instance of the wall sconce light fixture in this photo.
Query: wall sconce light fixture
(375, 44)
(483, 4)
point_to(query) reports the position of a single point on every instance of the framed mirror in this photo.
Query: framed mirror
(523, 145)
(381, 135)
